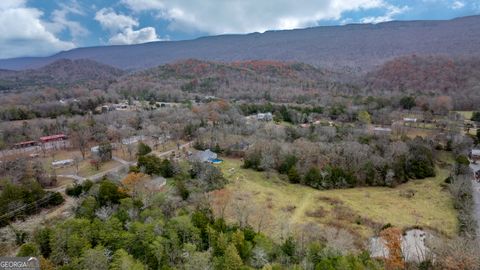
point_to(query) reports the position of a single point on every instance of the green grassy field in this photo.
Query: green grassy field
(466, 114)
(358, 210)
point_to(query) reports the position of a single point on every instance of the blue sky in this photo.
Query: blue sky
(44, 27)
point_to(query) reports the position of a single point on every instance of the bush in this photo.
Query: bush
(293, 175)
(167, 169)
(420, 163)
(55, 199)
(288, 162)
(312, 177)
(143, 149)
(407, 102)
(149, 163)
(253, 160)
(337, 177)
(182, 189)
(28, 250)
(74, 191)
(109, 193)
(105, 151)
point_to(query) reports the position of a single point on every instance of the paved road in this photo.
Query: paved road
(476, 198)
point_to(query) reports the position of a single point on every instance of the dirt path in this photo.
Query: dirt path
(301, 209)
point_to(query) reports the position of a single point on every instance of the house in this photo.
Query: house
(205, 156)
(53, 138)
(475, 155)
(62, 163)
(265, 116)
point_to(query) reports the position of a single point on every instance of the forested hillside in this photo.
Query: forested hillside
(61, 73)
(355, 46)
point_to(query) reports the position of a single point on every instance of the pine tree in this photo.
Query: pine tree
(231, 260)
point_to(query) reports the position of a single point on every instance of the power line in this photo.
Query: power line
(41, 201)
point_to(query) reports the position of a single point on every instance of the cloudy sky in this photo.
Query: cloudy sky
(44, 27)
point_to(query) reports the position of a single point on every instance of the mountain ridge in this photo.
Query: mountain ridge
(350, 46)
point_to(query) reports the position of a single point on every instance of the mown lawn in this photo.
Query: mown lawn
(359, 210)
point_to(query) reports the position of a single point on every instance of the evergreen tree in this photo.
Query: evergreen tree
(123, 261)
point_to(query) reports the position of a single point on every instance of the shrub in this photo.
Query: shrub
(293, 175)
(28, 250)
(109, 193)
(253, 160)
(55, 199)
(74, 191)
(288, 162)
(407, 102)
(143, 149)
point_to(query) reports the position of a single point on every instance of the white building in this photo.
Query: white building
(265, 116)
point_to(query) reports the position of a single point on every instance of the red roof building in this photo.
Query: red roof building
(52, 138)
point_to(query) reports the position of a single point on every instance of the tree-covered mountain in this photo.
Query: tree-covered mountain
(351, 46)
(61, 73)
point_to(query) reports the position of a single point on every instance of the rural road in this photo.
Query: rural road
(476, 198)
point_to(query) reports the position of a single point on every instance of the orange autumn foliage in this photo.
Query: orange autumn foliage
(393, 242)
(131, 183)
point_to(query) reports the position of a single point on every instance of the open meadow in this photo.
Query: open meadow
(361, 211)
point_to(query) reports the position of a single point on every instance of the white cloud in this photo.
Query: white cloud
(24, 33)
(113, 22)
(130, 36)
(392, 11)
(458, 5)
(60, 22)
(121, 28)
(242, 16)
